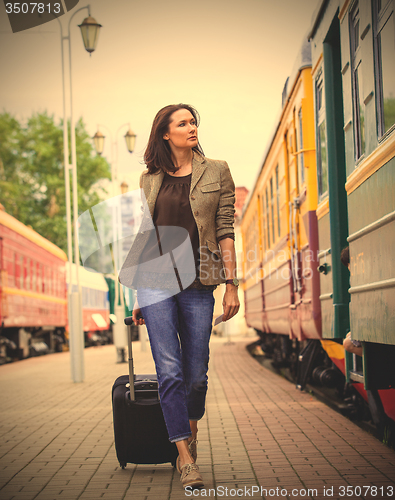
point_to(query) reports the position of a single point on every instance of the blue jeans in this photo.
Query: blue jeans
(179, 329)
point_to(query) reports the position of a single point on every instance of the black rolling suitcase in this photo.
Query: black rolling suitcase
(139, 427)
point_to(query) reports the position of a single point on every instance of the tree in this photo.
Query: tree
(32, 182)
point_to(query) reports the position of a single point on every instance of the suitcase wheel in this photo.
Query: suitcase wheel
(122, 464)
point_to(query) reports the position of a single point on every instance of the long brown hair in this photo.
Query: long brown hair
(158, 153)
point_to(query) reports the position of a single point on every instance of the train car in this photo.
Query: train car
(32, 291)
(353, 54)
(279, 227)
(345, 149)
(95, 305)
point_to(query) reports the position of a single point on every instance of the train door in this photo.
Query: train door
(304, 217)
(294, 241)
(331, 170)
(260, 289)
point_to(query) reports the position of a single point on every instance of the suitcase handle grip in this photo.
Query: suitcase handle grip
(129, 320)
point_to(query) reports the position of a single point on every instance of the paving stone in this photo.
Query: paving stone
(257, 431)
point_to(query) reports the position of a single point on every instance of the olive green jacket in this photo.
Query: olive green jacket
(212, 198)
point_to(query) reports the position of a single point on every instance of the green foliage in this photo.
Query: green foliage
(32, 183)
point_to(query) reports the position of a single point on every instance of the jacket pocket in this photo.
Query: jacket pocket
(213, 247)
(209, 188)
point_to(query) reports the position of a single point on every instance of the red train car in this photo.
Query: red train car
(33, 304)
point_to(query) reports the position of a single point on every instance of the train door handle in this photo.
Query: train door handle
(323, 268)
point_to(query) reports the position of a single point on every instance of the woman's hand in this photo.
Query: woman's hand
(230, 302)
(350, 347)
(137, 316)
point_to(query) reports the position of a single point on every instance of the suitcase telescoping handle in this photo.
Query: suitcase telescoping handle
(129, 323)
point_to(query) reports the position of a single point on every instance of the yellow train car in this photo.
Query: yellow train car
(279, 223)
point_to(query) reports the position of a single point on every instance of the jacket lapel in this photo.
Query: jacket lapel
(198, 167)
(156, 182)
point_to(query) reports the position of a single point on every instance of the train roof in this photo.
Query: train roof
(88, 278)
(302, 61)
(317, 16)
(30, 234)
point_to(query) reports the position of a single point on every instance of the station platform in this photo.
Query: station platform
(259, 438)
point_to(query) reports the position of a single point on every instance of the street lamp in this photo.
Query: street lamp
(90, 32)
(130, 138)
(98, 140)
(119, 328)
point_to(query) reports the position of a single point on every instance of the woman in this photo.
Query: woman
(184, 189)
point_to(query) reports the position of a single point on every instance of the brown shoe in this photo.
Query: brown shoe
(190, 476)
(193, 449)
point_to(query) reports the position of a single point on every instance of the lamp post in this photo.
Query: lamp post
(90, 32)
(119, 328)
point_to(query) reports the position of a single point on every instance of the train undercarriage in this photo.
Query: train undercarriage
(21, 343)
(307, 365)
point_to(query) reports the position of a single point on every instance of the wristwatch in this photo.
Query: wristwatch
(234, 282)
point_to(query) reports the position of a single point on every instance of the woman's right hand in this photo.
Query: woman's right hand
(137, 316)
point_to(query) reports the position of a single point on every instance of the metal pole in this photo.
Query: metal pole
(66, 177)
(119, 328)
(77, 341)
(72, 302)
(121, 332)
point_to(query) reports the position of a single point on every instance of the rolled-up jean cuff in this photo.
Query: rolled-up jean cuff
(180, 438)
(196, 419)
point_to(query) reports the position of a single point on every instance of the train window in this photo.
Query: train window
(263, 226)
(272, 209)
(357, 89)
(267, 219)
(322, 161)
(262, 221)
(16, 271)
(21, 273)
(278, 203)
(300, 148)
(323, 174)
(297, 158)
(33, 274)
(56, 288)
(39, 279)
(26, 274)
(384, 40)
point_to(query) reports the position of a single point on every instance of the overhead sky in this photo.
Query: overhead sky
(228, 58)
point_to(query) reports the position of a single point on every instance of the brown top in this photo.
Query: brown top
(172, 208)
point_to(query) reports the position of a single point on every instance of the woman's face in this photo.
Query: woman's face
(182, 131)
